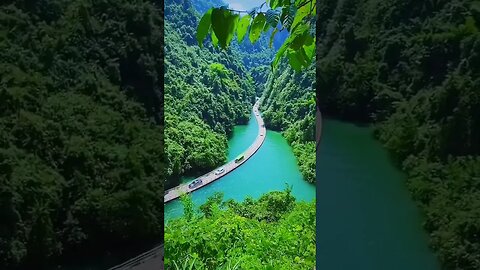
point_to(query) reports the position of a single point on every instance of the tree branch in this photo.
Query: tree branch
(264, 3)
(246, 11)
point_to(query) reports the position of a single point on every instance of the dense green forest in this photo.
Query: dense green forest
(81, 168)
(273, 232)
(209, 95)
(412, 68)
(257, 58)
(200, 90)
(207, 92)
(289, 106)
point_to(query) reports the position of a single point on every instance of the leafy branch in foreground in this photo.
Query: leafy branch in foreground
(295, 16)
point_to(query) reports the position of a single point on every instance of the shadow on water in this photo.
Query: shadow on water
(366, 218)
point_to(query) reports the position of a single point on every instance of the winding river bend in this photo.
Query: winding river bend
(366, 219)
(273, 166)
(219, 173)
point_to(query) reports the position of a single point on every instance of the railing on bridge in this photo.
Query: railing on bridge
(153, 253)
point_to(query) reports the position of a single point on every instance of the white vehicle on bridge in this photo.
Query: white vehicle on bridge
(219, 171)
(195, 183)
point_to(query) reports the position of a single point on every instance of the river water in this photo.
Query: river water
(366, 219)
(271, 168)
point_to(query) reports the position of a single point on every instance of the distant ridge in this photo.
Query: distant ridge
(203, 5)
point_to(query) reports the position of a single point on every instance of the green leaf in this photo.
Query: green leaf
(275, 3)
(309, 40)
(257, 27)
(223, 24)
(243, 27)
(298, 36)
(204, 27)
(280, 53)
(297, 59)
(272, 36)
(299, 41)
(288, 14)
(293, 60)
(301, 14)
(272, 16)
(266, 27)
(309, 48)
(302, 56)
(214, 39)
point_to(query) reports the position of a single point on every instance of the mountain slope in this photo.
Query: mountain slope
(289, 107)
(208, 91)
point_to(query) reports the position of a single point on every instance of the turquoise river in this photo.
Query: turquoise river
(271, 168)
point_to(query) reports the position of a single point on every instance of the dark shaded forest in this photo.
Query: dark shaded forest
(81, 160)
(412, 68)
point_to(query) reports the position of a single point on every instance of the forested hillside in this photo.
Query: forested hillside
(273, 232)
(252, 63)
(81, 169)
(207, 92)
(257, 59)
(412, 68)
(203, 5)
(289, 106)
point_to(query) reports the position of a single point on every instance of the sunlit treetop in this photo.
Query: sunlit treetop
(298, 17)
